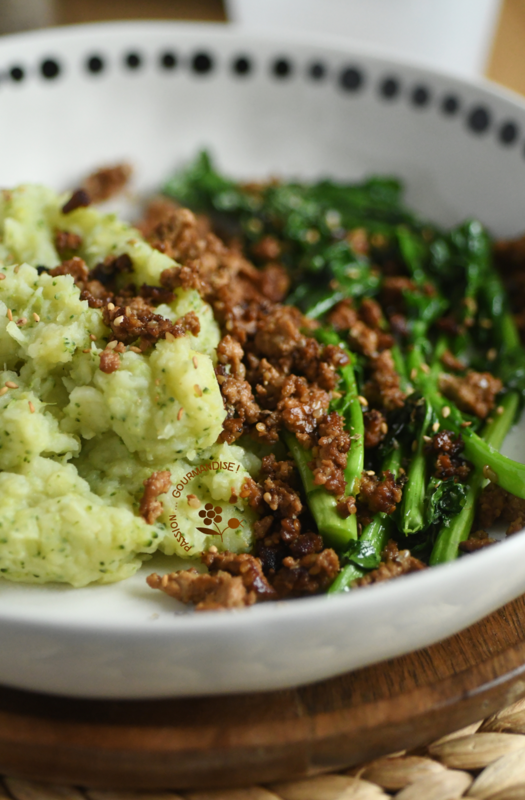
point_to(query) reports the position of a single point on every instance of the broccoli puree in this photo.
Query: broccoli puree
(77, 444)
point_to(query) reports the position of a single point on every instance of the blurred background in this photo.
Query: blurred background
(469, 37)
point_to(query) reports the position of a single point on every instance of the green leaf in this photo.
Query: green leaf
(361, 553)
(444, 501)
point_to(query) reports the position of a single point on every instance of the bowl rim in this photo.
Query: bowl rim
(266, 35)
(288, 610)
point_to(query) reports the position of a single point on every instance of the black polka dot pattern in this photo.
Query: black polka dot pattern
(133, 61)
(202, 63)
(282, 68)
(50, 68)
(168, 60)
(317, 71)
(17, 74)
(450, 105)
(389, 88)
(420, 96)
(95, 64)
(508, 133)
(351, 79)
(478, 120)
(242, 65)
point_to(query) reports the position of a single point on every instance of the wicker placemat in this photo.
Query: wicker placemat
(486, 760)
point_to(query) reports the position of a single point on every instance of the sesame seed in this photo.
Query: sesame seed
(378, 240)
(16, 269)
(36, 317)
(312, 236)
(118, 320)
(427, 439)
(435, 427)
(267, 497)
(489, 420)
(135, 349)
(413, 374)
(9, 315)
(11, 385)
(110, 306)
(362, 400)
(86, 350)
(195, 362)
(92, 337)
(500, 410)
(446, 411)
(489, 473)
(181, 412)
(370, 472)
(111, 345)
(169, 337)
(198, 390)
(2, 276)
(492, 354)
(465, 424)
(31, 407)
(229, 325)
(425, 368)
(261, 427)
(384, 427)
(333, 219)
(21, 321)
(3, 391)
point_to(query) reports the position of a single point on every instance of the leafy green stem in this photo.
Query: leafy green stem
(446, 546)
(375, 535)
(335, 530)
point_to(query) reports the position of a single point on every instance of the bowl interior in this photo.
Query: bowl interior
(154, 94)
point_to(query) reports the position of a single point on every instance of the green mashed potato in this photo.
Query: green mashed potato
(76, 443)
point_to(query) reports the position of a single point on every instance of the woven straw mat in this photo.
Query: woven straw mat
(486, 760)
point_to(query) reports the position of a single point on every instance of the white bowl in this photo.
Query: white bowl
(305, 109)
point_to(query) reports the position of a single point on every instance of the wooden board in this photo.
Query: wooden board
(257, 738)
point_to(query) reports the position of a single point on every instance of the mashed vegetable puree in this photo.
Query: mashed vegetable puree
(77, 441)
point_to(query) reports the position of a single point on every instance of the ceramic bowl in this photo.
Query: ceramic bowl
(153, 94)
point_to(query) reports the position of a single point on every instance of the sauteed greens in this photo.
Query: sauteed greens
(448, 330)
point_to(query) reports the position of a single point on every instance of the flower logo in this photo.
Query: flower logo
(211, 516)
